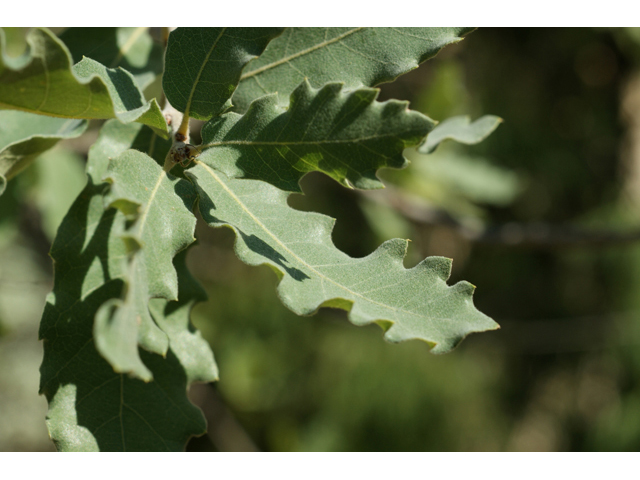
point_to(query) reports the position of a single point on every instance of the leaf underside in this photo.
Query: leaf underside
(24, 136)
(91, 406)
(356, 56)
(462, 130)
(411, 303)
(45, 83)
(348, 136)
(161, 206)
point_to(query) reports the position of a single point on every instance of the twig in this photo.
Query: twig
(518, 235)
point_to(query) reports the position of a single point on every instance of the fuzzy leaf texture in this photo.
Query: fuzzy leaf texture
(203, 66)
(91, 406)
(44, 82)
(160, 206)
(462, 130)
(24, 136)
(356, 56)
(408, 304)
(348, 136)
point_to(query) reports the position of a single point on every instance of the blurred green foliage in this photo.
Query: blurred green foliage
(563, 373)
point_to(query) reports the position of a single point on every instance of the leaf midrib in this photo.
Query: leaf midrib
(277, 240)
(127, 46)
(253, 143)
(306, 51)
(204, 63)
(145, 213)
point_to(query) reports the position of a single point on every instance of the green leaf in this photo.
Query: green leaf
(148, 197)
(60, 177)
(456, 182)
(356, 56)
(115, 138)
(92, 407)
(462, 130)
(203, 66)
(131, 48)
(187, 344)
(45, 83)
(408, 304)
(348, 136)
(24, 136)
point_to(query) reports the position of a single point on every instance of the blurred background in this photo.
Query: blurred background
(543, 217)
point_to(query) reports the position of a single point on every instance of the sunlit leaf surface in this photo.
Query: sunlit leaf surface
(44, 82)
(356, 56)
(348, 136)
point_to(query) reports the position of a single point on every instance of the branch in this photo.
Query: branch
(518, 235)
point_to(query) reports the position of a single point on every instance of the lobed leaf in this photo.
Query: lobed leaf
(131, 48)
(348, 136)
(91, 406)
(45, 83)
(408, 304)
(160, 209)
(462, 130)
(24, 136)
(186, 343)
(203, 66)
(356, 56)
(115, 138)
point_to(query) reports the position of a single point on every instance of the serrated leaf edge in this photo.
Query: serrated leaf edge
(137, 214)
(299, 94)
(394, 248)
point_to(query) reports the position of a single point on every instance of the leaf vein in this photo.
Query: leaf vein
(293, 254)
(299, 54)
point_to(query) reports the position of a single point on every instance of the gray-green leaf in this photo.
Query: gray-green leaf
(91, 407)
(462, 130)
(60, 177)
(356, 56)
(408, 304)
(160, 206)
(203, 66)
(348, 136)
(44, 83)
(24, 136)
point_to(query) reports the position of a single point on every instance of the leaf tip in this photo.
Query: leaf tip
(441, 266)
(463, 287)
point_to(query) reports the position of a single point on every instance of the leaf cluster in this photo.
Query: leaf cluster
(120, 351)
